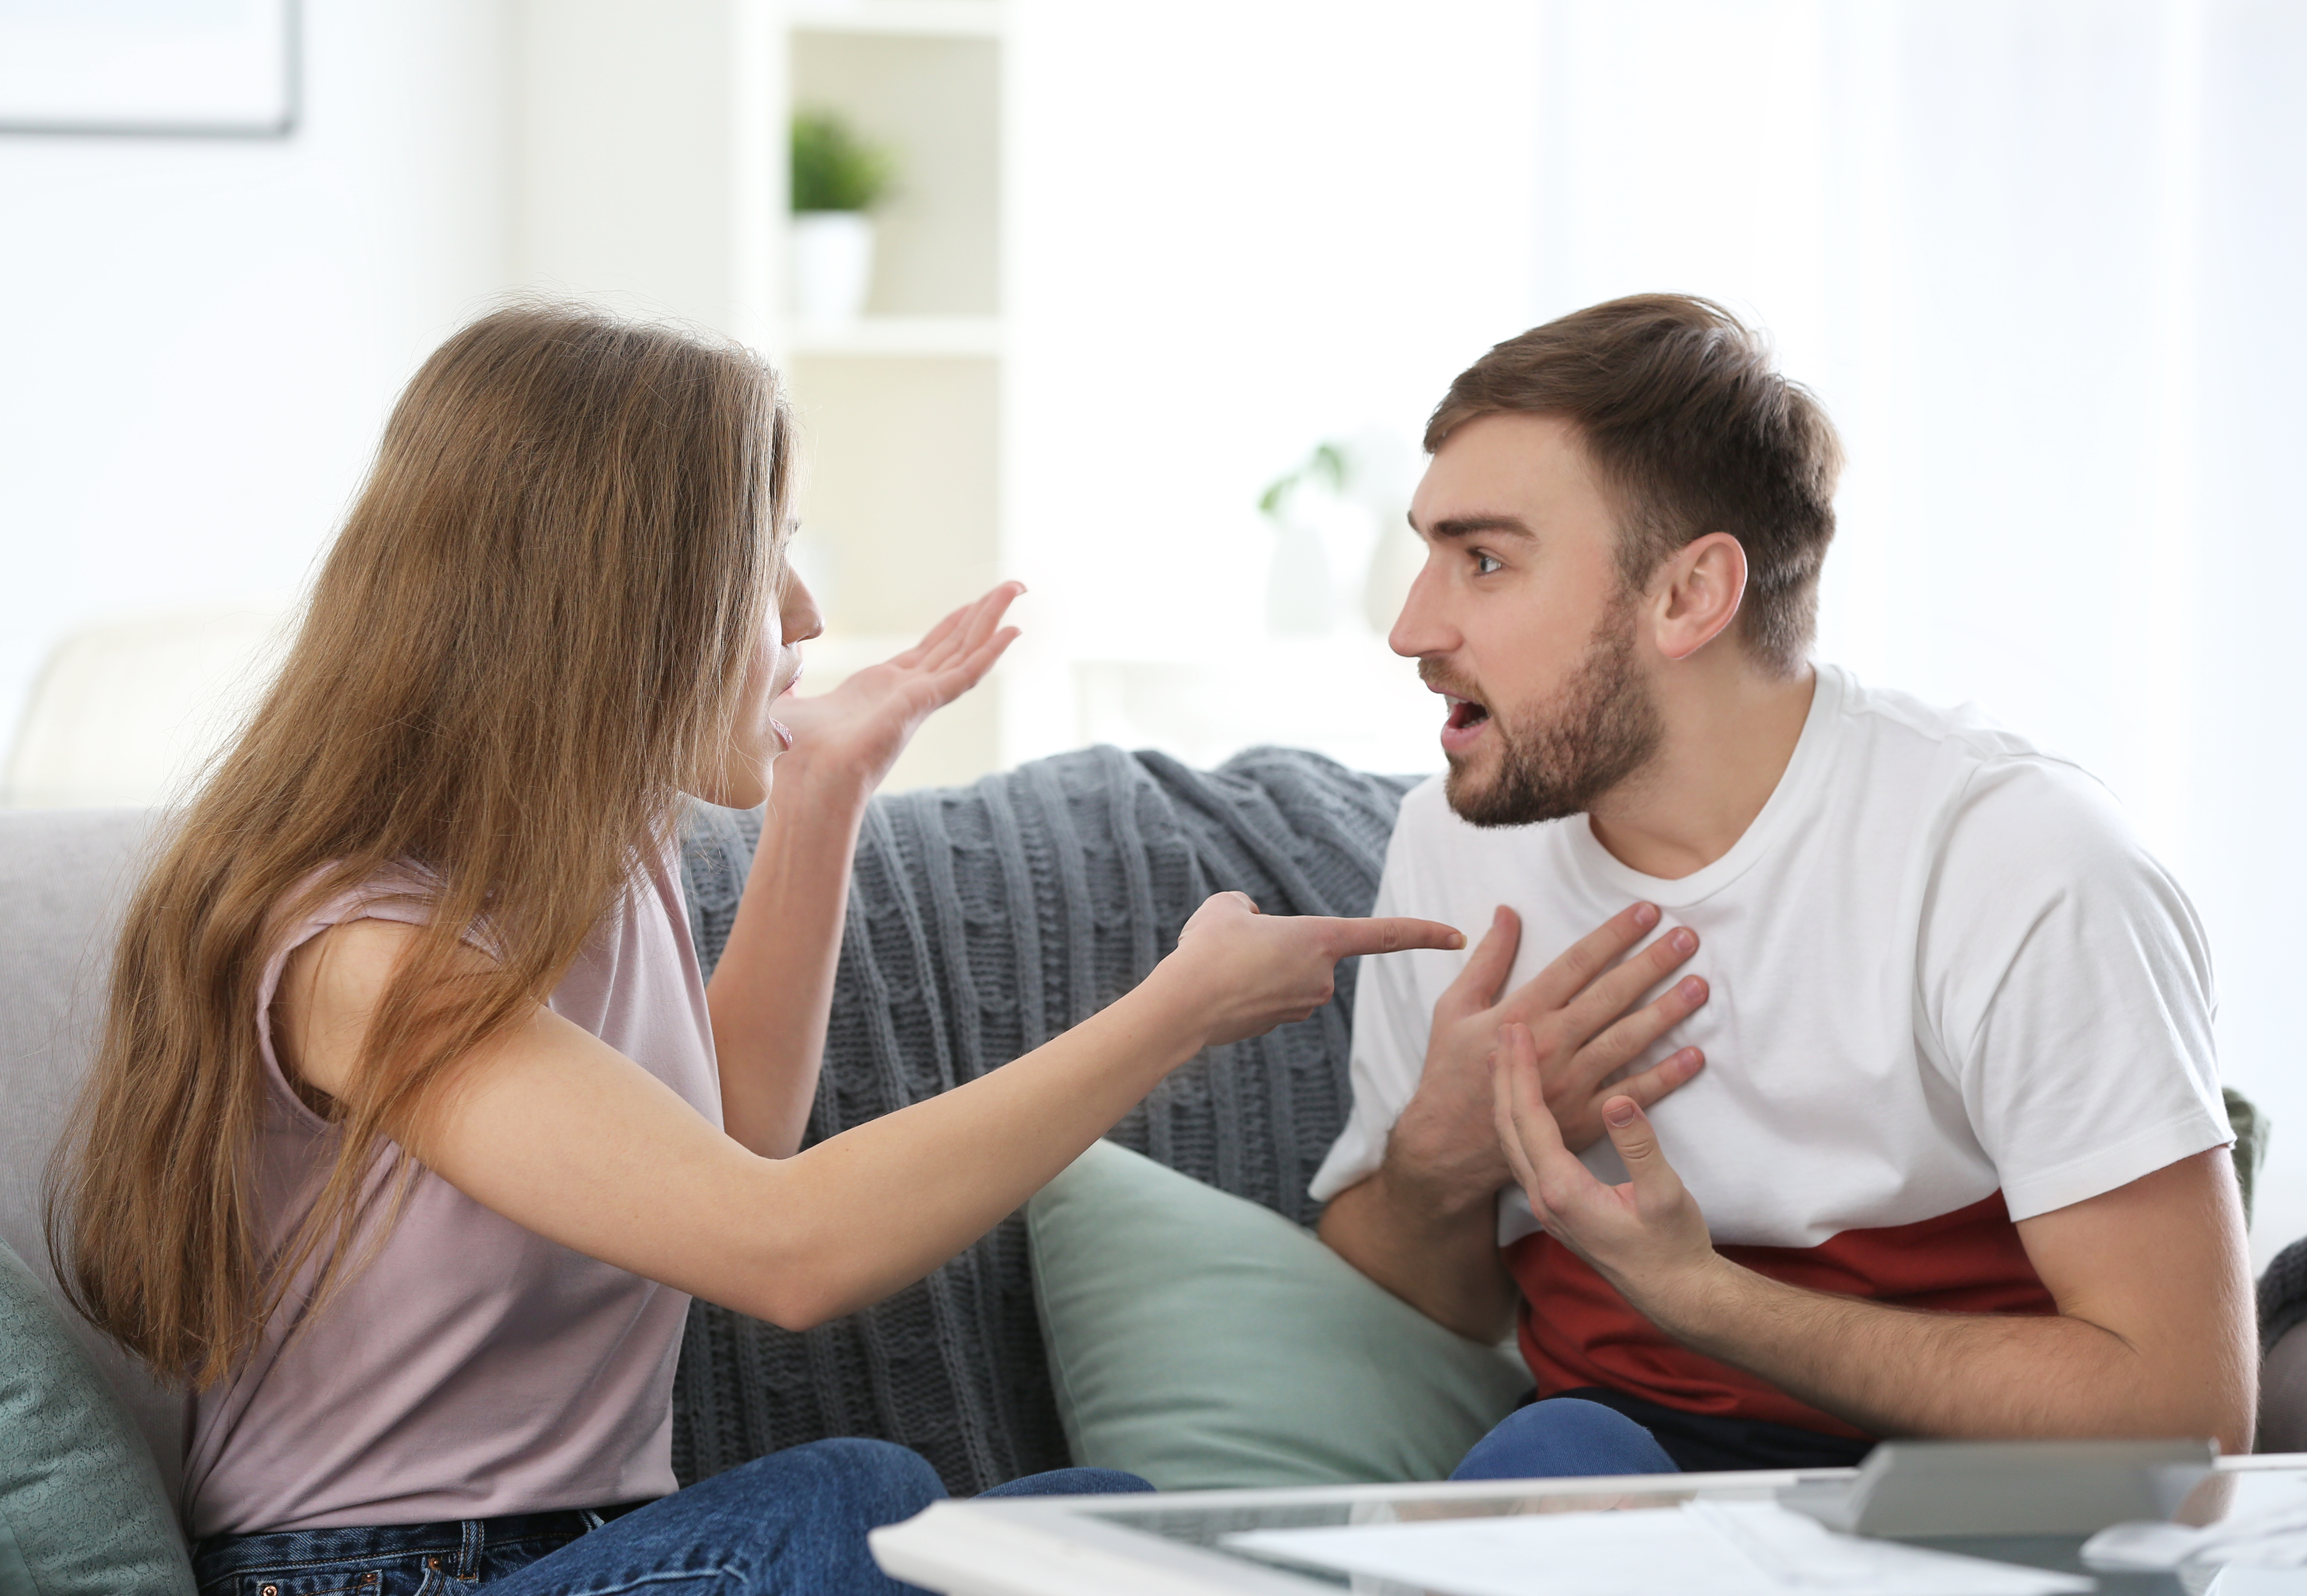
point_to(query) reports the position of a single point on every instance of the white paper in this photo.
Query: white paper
(2275, 1539)
(1700, 1548)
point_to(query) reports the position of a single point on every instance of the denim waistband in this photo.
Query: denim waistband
(461, 1545)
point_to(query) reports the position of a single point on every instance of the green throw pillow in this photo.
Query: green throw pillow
(1204, 1342)
(83, 1512)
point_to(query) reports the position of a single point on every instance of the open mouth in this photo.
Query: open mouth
(1465, 713)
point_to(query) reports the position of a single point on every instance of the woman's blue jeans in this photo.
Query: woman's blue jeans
(791, 1523)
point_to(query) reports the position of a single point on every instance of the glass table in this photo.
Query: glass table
(1173, 1544)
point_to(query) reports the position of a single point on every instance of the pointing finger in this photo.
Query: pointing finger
(1390, 934)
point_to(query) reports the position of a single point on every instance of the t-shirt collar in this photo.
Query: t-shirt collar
(1787, 802)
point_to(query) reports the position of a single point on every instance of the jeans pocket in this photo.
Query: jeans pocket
(364, 1576)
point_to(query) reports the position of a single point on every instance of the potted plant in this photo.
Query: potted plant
(837, 178)
(1342, 553)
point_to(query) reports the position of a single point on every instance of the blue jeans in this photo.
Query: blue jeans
(791, 1523)
(1563, 1436)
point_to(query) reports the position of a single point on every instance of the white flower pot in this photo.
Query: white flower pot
(832, 265)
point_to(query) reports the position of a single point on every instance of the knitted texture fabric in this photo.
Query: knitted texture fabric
(983, 922)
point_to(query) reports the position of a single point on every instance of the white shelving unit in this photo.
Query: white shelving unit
(901, 505)
(920, 19)
(653, 174)
(923, 337)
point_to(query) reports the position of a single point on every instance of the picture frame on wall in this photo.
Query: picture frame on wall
(152, 68)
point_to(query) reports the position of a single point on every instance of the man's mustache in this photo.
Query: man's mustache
(1439, 679)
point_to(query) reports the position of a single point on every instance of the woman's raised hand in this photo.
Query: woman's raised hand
(1243, 973)
(863, 725)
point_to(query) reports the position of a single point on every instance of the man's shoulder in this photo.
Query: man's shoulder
(1982, 770)
(1903, 722)
(2008, 825)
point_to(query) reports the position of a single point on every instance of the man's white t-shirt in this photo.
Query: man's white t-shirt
(1950, 990)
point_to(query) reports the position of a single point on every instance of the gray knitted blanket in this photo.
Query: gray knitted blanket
(983, 922)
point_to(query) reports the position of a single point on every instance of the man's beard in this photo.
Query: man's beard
(1601, 727)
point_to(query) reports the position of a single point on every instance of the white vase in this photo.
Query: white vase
(832, 265)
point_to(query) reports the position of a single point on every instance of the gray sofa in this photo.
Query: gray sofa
(984, 920)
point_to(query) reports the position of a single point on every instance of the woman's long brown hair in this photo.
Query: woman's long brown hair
(530, 634)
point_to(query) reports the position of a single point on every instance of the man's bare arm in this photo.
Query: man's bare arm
(2153, 1334)
(1425, 1225)
(1436, 1249)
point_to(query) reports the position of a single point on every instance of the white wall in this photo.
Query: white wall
(2037, 255)
(202, 336)
(2034, 256)
(644, 148)
(1234, 231)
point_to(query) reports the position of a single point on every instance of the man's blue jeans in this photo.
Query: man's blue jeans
(791, 1523)
(1563, 1436)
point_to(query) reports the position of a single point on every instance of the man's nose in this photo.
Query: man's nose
(1421, 628)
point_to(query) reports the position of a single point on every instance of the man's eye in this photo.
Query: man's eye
(1485, 563)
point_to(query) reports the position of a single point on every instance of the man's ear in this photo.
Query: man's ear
(1696, 594)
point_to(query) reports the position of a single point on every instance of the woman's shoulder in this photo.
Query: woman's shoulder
(332, 944)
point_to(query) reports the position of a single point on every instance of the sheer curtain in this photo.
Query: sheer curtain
(2038, 259)
(2038, 256)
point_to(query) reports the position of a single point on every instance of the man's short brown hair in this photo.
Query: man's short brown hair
(1692, 430)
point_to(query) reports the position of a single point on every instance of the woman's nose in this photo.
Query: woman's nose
(797, 613)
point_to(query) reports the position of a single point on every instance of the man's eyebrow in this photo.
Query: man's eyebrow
(1472, 526)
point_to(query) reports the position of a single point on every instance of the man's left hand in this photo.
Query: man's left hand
(1646, 1237)
(2152, 1280)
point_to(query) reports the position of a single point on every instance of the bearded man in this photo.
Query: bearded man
(1883, 1100)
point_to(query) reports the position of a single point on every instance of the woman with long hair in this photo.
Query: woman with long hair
(414, 1125)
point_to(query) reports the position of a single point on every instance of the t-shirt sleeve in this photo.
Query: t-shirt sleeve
(2066, 984)
(1391, 1023)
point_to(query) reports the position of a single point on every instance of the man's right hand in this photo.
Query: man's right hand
(1577, 1011)
(1424, 1226)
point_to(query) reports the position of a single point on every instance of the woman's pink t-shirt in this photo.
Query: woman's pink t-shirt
(472, 1368)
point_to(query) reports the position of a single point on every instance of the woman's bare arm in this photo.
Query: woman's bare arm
(773, 990)
(550, 1128)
